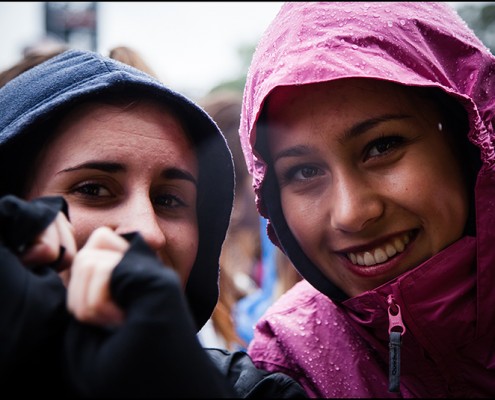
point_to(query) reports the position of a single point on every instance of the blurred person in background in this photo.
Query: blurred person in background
(254, 272)
(132, 57)
(240, 254)
(32, 56)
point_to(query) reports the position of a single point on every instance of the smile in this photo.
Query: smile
(382, 253)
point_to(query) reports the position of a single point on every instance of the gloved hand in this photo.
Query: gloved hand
(153, 351)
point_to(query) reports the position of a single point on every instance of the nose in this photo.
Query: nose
(138, 214)
(354, 204)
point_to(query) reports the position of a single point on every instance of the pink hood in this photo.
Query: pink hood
(432, 46)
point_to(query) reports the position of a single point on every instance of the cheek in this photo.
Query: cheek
(448, 206)
(182, 249)
(437, 195)
(84, 225)
(302, 217)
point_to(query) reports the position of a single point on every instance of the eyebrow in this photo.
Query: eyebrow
(98, 165)
(368, 124)
(111, 167)
(353, 132)
(177, 173)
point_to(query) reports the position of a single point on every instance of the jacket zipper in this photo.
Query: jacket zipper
(396, 329)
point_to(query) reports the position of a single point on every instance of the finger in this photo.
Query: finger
(79, 281)
(55, 244)
(83, 268)
(45, 248)
(89, 297)
(105, 238)
(101, 307)
(67, 242)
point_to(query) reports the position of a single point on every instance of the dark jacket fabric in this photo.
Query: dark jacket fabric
(33, 315)
(155, 353)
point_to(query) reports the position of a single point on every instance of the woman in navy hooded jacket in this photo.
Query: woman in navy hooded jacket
(368, 128)
(80, 136)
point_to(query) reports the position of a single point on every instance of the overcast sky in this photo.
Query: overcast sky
(191, 45)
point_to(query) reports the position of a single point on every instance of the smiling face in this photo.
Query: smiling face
(131, 169)
(370, 184)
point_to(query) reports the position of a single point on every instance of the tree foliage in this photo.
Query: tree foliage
(481, 19)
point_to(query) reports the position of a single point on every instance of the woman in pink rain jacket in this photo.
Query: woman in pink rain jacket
(368, 130)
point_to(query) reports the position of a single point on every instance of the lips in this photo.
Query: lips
(382, 253)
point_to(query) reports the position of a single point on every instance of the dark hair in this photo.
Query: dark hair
(29, 61)
(455, 122)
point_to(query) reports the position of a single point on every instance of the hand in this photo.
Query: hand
(89, 297)
(55, 244)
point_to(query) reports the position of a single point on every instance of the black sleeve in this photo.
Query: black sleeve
(155, 353)
(33, 313)
(21, 221)
(250, 382)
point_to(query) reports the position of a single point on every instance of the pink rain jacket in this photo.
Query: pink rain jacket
(337, 346)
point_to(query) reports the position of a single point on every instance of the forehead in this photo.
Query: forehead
(104, 120)
(356, 95)
(105, 109)
(142, 133)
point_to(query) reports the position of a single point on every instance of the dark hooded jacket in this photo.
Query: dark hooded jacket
(156, 352)
(337, 346)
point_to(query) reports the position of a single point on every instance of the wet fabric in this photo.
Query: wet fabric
(338, 346)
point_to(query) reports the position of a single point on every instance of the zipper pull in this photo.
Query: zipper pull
(396, 329)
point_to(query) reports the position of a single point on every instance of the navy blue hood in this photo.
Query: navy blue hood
(47, 90)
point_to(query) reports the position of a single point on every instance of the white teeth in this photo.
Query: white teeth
(380, 254)
(390, 250)
(399, 244)
(360, 259)
(369, 259)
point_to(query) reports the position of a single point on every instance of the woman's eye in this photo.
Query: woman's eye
(168, 201)
(301, 173)
(307, 172)
(92, 189)
(383, 146)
